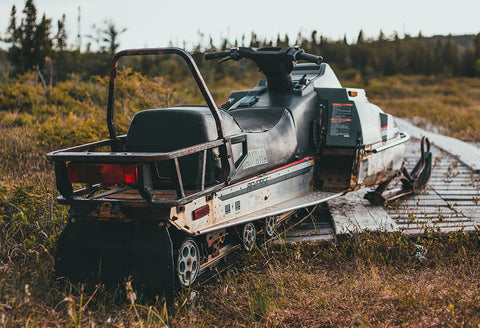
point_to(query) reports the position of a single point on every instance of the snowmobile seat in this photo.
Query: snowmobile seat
(270, 130)
(169, 129)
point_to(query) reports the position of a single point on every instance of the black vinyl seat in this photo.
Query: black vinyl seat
(169, 129)
(269, 130)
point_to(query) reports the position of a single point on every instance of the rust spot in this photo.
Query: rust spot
(215, 236)
(106, 211)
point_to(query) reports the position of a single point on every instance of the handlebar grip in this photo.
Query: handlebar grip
(216, 55)
(310, 58)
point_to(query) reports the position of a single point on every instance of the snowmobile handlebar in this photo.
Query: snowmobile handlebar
(216, 55)
(293, 54)
(275, 62)
(310, 58)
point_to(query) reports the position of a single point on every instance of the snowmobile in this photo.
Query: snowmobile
(188, 184)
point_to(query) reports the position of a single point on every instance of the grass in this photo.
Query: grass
(363, 280)
(369, 279)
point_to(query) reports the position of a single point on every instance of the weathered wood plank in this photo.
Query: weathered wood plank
(448, 203)
(352, 213)
(421, 231)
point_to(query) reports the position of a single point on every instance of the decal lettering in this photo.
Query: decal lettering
(255, 157)
(341, 120)
(259, 183)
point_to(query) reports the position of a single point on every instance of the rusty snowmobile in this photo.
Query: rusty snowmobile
(188, 184)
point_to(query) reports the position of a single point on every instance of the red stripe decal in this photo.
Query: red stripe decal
(340, 119)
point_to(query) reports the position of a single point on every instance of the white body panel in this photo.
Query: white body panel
(278, 191)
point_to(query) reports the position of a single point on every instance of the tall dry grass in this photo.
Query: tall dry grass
(363, 280)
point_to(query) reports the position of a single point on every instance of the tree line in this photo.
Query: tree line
(34, 44)
(39, 45)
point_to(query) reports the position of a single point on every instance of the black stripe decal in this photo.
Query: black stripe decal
(384, 126)
(259, 183)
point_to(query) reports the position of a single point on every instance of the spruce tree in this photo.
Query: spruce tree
(13, 37)
(42, 44)
(61, 37)
(28, 28)
(30, 42)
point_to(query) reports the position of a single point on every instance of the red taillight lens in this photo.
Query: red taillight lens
(201, 212)
(102, 173)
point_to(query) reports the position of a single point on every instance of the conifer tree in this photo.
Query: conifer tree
(42, 43)
(30, 42)
(110, 36)
(12, 35)
(61, 37)
(27, 30)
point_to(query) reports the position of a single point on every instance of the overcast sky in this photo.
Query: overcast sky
(153, 23)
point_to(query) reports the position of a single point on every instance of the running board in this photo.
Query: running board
(316, 226)
(305, 200)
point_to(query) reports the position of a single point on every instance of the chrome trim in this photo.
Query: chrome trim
(404, 137)
(264, 213)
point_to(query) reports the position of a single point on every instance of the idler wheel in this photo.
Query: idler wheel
(188, 262)
(249, 236)
(270, 225)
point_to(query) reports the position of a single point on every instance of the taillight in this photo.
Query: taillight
(201, 212)
(102, 173)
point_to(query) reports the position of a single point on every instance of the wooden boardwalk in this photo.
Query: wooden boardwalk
(450, 202)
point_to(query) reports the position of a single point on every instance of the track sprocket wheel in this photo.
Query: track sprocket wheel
(249, 236)
(270, 225)
(188, 262)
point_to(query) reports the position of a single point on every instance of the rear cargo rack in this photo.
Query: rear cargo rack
(88, 153)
